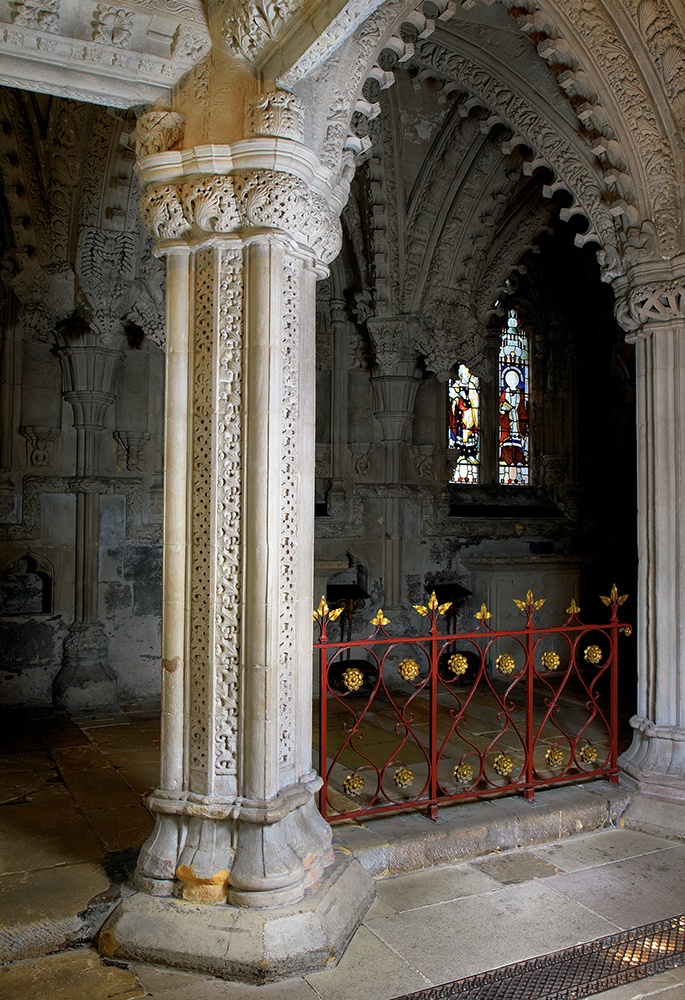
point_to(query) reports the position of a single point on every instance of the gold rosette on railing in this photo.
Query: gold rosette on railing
(458, 664)
(408, 669)
(403, 777)
(550, 660)
(352, 678)
(555, 757)
(593, 655)
(380, 620)
(503, 764)
(463, 773)
(506, 664)
(353, 785)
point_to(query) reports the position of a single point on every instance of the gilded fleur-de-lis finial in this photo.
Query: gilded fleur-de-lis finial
(483, 614)
(433, 606)
(323, 612)
(614, 598)
(530, 604)
(380, 619)
(573, 608)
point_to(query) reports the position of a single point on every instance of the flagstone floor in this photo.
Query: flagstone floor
(73, 816)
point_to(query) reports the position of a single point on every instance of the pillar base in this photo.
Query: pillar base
(85, 680)
(251, 946)
(656, 759)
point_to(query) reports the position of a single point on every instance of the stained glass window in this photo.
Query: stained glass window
(464, 425)
(514, 382)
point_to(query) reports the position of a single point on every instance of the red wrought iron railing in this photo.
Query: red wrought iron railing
(415, 722)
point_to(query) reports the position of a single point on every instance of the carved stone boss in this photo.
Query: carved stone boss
(651, 308)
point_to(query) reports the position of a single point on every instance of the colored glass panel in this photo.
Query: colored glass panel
(464, 425)
(514, 385)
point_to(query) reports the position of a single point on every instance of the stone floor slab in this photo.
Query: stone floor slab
(46, 831)
(121, 828)
(31, 760)
(664, 986)
(435, 885)
(467, 936)
(42, 911)
(100, 789)
(293, 989)
(600, 847)
(515, 867)
(631, 892)
(72, 975)
(79, 758)
(368, 969)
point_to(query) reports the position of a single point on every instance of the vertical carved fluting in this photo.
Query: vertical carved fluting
(289, 518)
(228, 484)
(652, 309)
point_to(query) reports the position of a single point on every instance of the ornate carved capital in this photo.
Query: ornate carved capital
(392, 345)
(158, 132)
(276, 113)
(270, 199)
(650, 297)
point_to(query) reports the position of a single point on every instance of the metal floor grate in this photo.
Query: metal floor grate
(576, 972)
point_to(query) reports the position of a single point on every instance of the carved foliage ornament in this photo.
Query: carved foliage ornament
(158, 131)
(112, 26)
(248, 28)
(222, 204)
(40, 14)
(276, 113)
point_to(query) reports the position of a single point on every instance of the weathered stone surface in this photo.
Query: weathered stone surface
(404, 843)
(255, 946)
(47, 910)
(74, 975)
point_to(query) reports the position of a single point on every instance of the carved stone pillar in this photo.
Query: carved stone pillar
(651, 307)
(246, 231)
(394, 383)
(89, 372)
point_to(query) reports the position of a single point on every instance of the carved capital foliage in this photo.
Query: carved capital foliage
(451, 334)
(158, 131)
(46, 297)
(249, 28)
(276, 113)
(256, 199)
(106, 267)
(392, 345)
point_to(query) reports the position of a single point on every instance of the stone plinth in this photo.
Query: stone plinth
(231, 942)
